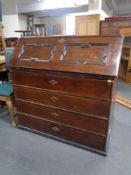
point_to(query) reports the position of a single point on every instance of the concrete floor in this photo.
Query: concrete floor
(25, 153)
(124, 89)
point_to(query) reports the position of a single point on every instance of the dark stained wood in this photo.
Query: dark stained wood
(101, 56)
(11, 42)
(64, 132)
(111, 26)
(109, 30)
(61, 83)
(68, 102)
(63, 86)
(71, 119)
(120, 18)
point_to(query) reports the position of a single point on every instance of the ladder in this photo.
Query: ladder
(30, 24)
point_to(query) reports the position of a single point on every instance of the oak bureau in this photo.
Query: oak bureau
(63, 87)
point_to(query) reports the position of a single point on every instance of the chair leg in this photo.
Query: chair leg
(10, 109)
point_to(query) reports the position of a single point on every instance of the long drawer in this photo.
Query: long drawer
(67, 84)
(67, 102)
(71, 134)
(82, 122)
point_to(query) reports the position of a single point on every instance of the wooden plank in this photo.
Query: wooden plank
(123, 100)
(2, 63)
(2, 59)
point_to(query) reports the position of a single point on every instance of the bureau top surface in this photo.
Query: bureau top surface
(81, 54)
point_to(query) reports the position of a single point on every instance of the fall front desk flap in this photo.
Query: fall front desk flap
(83, 54)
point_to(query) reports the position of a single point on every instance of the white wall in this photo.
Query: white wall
(94, 4)
(37, 21)
(108, 11)
(22, 22)
(11, 23)
(10, 18)
(55, 20)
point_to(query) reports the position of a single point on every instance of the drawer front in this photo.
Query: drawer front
(110, 31)
(68, 102)
(73, 85)
(68, 118)
(75, 135)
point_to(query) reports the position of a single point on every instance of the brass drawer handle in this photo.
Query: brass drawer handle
(55, 129)
(109, 82)
(61, 40)
(54, 99)
(53, 82)
(55, 115)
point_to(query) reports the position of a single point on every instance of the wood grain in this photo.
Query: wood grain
(71, 119)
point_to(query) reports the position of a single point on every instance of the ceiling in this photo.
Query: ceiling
(119, 7)
(46, 8)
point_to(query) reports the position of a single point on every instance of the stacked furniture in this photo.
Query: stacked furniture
(120, 26)
(114, 25)
(63, 87)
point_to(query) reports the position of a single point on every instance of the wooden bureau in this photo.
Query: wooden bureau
(63, 87)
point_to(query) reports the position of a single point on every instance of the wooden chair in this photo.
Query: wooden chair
(3, 69)
(2, 41)
(6, 91)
